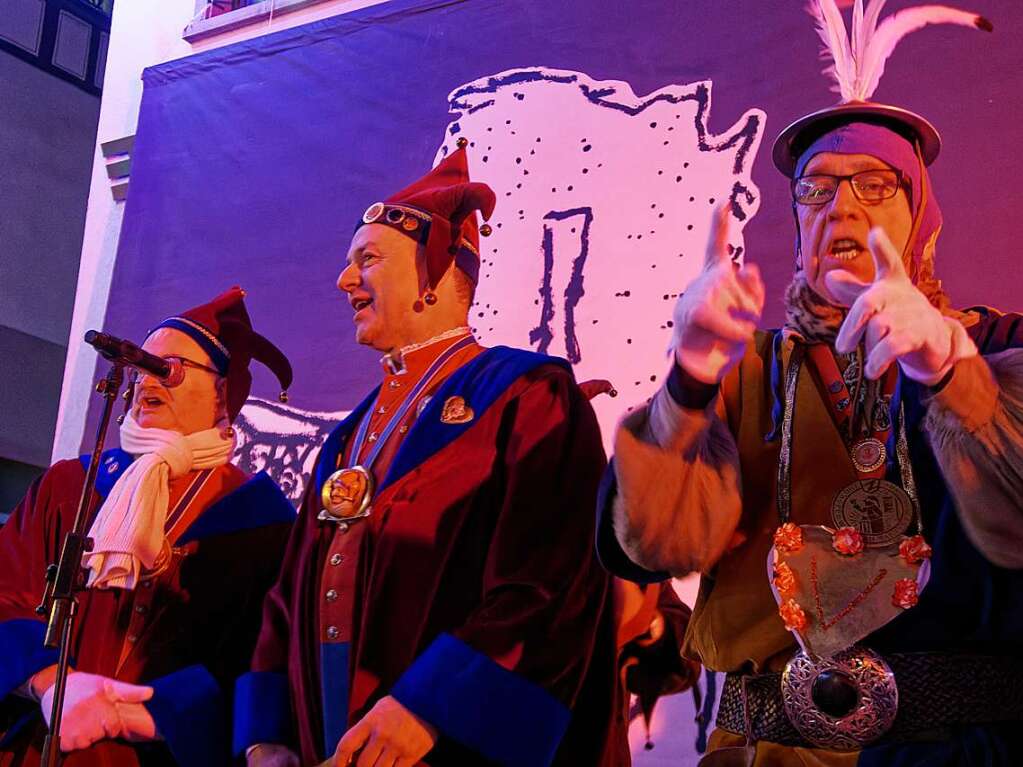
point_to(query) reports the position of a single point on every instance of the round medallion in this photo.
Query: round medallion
(879, 510)
(347, 493)
(868, 454)
(842, 703)
(410, 223)
(373, 212)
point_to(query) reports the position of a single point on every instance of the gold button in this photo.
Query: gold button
(333, 632)
(381, 410)
(336, 559)
(132, 638)
(141, 609)
(394, 384)
(331, 595)
(402, 429)
(372, 437)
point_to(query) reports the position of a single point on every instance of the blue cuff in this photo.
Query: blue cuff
(262, 710)
(490, 710)
(190, 715)
(23, 653)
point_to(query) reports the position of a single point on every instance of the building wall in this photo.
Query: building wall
(47, 129)
(143, 33)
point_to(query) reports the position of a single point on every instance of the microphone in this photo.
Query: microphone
(125, 352)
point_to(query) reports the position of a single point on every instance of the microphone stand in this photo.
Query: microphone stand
(66, 577)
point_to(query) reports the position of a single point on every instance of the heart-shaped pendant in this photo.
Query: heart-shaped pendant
(832, 591)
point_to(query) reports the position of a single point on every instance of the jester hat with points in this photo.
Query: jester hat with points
(224, 331)
(437, 212)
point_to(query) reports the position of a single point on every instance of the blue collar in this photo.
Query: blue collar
(480, 382)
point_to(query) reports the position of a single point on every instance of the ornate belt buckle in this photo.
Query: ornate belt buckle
(842, 703)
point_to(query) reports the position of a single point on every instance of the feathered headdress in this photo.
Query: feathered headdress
(856, 63)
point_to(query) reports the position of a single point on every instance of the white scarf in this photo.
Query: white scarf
(128, 532)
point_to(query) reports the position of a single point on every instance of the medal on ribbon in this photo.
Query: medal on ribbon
(879, 510)
(347, 494)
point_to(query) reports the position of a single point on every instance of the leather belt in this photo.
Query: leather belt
(936, 691)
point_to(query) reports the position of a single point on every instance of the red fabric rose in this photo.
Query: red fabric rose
(792, 615)
(847, 541)
(905, 595)
(784, 579)
(788, 537)
(914, 550)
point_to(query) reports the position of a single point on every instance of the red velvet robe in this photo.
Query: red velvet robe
(478, 602)
(188, 632)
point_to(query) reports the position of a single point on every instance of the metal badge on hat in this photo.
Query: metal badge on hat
(347, 494)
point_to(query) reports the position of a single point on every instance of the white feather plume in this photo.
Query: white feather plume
(831, 29)
(858, 63)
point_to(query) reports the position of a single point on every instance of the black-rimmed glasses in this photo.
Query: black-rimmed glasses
(867, 185)
(134, 375)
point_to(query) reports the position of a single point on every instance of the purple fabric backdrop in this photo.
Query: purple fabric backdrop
(252, 161)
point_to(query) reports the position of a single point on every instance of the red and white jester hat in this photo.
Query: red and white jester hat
(437, 212)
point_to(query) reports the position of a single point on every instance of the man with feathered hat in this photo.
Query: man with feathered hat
(849, 486)
(440, 599)
(185, 546)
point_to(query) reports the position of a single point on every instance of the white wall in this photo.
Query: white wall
(143, 33)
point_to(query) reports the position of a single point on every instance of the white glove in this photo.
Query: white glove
(895, 320)
(716, 316)
(90, 711)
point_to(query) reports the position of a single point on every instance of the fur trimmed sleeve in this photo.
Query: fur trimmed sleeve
(679, 501)
(975, 424)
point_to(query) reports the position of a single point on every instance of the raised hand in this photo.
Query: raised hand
(716, 316)
(90, 711)
(895, 320)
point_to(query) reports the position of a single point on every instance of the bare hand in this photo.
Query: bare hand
(90, 712)
(388, 736)
(137, 723)
(271, 755)
(895, 320)
(716, 316)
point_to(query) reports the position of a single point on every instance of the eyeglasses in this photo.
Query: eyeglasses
(176, 361)
(867, 185)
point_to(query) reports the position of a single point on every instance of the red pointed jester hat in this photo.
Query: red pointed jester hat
(224, 331)
(437, 212)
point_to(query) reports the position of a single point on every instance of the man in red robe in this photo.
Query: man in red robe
(440, 601)
(185, 548)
